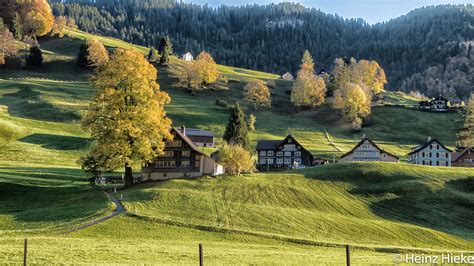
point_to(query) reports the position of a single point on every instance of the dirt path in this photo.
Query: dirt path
(119, 208)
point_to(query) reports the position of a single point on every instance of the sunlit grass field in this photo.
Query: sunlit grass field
(297, 217)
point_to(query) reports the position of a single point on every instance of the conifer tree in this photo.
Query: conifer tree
(165, 50)
(35, 58)
(153, 55)
(17, 26)
(82, 55)
(236, 131)
(309, 90)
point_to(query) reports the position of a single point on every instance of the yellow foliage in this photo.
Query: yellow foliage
(207, 68)
(127, 118)
(59, 26)
(353, 102)
(236, 160)
(36, 15)
(97, 54)
(257, 92)
(309, 90)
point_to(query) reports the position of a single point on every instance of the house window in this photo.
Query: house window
(174, 143)
(168, 154)
(263, 161)
(263, 153)
(270, 161)
(431, 147)
(446, 155)
(437, 155)
(279, 161)
(186, 153)
(165, 164)
(287, 153)
(185, 163)
(437, 147)
(297, 153)
(270, 153)
(287, 161)
(289, 147)
(423, 154)
(279, 153)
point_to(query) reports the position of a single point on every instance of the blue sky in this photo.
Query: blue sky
(370, 10)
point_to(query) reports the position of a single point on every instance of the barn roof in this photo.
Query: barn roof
(268, 144)
(373, 143)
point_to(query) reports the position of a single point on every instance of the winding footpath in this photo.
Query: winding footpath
(119, 208)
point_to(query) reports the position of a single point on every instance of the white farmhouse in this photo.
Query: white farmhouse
(188, 57)
(432, 152)
(367, 151)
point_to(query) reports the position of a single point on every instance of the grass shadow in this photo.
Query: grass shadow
(27, 103)
(57, 142)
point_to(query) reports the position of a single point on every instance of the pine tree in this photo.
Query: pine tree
(82, 55)
(35, 58)
(236, 131)
(153, 55)
(165, 50)
(307, 62)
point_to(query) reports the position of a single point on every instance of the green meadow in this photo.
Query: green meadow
(299, 217)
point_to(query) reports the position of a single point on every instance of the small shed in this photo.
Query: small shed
(320, 161)
(287, 76)
(188, 57)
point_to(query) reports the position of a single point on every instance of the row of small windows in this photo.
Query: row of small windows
(174, 143)
(280, 153)
(171, 154)
(279, 161)
(438, 154)
(172, 164)
(438, 163)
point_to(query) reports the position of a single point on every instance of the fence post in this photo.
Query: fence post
(25, 252)
(201, 257)
(348, 255)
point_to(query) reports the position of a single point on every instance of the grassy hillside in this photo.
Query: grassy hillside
(252, 219)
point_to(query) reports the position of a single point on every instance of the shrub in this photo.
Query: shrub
(236, 160)
(222, 103)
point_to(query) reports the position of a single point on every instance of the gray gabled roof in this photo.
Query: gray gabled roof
(430, 140)
(268, 144)
(195, 132)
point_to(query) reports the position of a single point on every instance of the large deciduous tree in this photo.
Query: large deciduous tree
(35, 16)
(59, 26)
(207, 67)
(92, 53)
(126, 118)
(236, 131)
(354, 104)
(257, 93)
(309, 90)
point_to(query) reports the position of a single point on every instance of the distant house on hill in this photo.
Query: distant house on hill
(282, 154)
(464, 157)
(181, 159)
(367, 151)
(188, 57)
(200, 138)
(438, 104)
(432, 152)
(287, 76)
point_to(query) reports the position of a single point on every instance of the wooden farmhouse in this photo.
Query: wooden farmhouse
(438, 104)
(188, 57)
(367, 151)
(464, 157)
(181, 159)
(200, 138)
(282, 154)
(432, 152)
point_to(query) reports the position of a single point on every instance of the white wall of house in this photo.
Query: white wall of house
(434, 154)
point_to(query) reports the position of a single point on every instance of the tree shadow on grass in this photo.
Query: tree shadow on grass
(57, 142)
(409, 197)
(27, 103)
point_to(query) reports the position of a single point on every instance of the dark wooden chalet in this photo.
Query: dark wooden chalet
(463, 157)
(181, 159)
(438, 104)
(282, 154)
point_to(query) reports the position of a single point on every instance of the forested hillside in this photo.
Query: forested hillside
(429, 50)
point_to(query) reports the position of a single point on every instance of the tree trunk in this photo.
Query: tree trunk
(128, 178)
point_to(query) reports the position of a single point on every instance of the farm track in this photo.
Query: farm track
(119, 208)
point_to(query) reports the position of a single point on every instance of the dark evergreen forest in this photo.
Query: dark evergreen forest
(428, 50)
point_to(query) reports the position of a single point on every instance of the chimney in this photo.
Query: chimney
(183, 130)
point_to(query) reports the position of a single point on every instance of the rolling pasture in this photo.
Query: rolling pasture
(299, 217)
